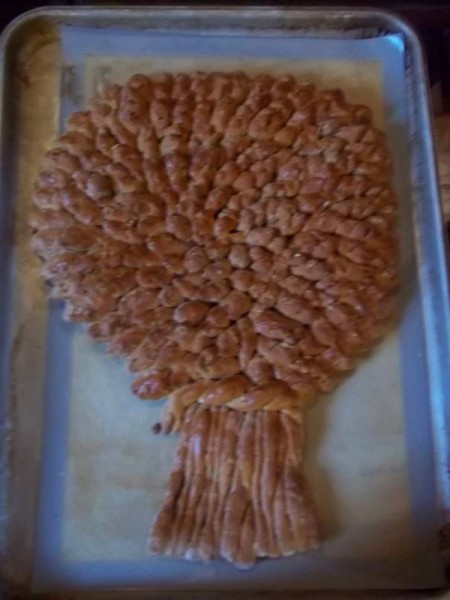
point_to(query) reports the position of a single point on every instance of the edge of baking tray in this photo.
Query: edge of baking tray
(324, 19)
(433, 257)
(434, 264)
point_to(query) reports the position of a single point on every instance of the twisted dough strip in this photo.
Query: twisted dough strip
(236, 393)
(236, 490)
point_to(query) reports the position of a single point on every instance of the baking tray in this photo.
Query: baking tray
(34, 78)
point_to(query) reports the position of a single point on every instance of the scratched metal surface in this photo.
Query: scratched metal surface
(38, 122)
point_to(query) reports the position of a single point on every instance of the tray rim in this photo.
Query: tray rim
(336, 15)
(116, 11)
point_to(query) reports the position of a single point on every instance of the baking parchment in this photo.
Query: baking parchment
(369, 448)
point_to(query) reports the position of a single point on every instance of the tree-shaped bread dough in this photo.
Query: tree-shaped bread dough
(233, 237)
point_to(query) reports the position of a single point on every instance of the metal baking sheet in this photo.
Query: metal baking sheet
(371, 453)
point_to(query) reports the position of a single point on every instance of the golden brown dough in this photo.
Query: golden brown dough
(250, 501)
(234, 238)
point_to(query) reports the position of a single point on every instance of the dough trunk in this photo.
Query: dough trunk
(236, 490)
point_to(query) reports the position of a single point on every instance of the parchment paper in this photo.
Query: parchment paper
(105, 472)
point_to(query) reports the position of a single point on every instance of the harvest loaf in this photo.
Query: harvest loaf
(233, 237)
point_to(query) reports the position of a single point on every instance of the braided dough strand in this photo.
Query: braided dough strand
(236, 393)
